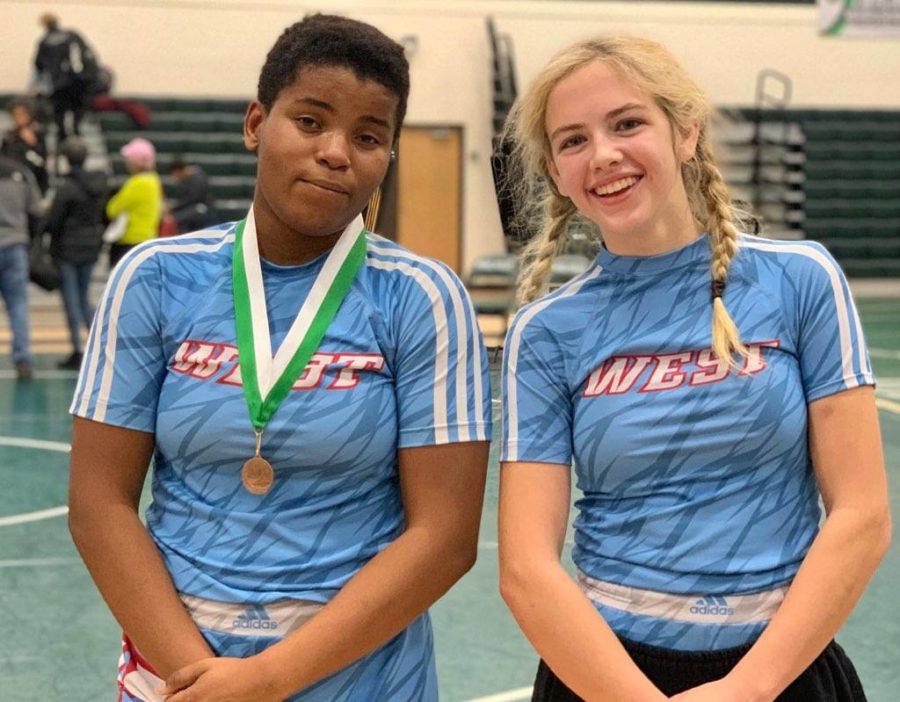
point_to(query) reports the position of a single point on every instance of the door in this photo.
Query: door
(429, 189)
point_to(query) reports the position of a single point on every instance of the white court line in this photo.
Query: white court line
(887, 405)
(59, 446)
(42, 374)
(884, 353)
(41, 514)
(37, 562)
(493, 545)
(521, 693)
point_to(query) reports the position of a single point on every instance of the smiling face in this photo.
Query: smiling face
(323, 148)
(613, 155)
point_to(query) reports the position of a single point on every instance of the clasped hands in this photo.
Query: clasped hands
(223, 680)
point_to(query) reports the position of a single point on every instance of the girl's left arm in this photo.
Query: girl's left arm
(442, 488)
(845, 448)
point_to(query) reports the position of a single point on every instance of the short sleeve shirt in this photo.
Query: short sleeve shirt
(693, 479)
(401, 365)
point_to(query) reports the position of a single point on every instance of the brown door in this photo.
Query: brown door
(429, 186)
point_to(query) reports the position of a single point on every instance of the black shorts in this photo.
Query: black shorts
(830, 678)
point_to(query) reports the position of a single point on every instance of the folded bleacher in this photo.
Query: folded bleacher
(205, 132)
(829, 175)
(850, 188)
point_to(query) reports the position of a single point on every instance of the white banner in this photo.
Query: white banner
(859, 18)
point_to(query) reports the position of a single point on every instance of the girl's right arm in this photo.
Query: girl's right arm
(559, 621)
(108, 467)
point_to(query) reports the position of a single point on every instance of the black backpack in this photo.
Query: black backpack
(67, 59)
(81, 62)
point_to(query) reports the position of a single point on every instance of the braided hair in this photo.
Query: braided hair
(654, 70)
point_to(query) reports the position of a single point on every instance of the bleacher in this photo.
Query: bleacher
(849, 193)
(829, 175)
(763, 165)
(206, 132)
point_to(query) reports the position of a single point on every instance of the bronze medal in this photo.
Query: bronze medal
(257, 475)
(267, 379)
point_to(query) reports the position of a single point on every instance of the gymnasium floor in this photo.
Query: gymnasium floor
(61, 644)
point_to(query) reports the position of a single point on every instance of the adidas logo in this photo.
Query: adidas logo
(712, 604)
(255, 617)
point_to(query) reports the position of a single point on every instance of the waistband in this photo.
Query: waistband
(757, 607)
(271, 619)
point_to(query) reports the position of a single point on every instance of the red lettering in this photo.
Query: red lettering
(348, 377)
(667, 374)
(225, 354)
(202, 360)
(233, 377)
(712, 368)
(185, 357)
(616, 376)
(755, 363)
(312, 374)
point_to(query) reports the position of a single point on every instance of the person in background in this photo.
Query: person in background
(140, 199)
(192, 207)
(20, 212)
(708, 386)
(26, 142)
(75, 225)
(66, 71)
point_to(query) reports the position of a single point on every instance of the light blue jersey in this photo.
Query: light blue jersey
(694, 481)
(401, 365)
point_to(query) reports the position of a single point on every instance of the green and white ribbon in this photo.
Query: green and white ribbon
(267, 379)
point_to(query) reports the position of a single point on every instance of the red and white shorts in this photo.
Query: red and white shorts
(137, 681)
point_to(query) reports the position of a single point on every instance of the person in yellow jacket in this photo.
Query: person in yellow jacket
(140, 199)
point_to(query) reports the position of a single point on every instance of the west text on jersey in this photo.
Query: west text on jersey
(618, 375)
(208, 360)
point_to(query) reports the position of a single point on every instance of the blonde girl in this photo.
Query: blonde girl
(708, 388)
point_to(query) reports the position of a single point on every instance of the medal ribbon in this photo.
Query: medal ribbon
(267, 380)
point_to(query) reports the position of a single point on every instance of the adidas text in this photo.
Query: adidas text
(712, 609)
(254, 624)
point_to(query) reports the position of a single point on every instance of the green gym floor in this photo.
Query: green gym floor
(62, 644)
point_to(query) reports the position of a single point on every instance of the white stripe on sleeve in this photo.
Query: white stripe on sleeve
(845, 307)
(462, 335)
(440, 399)
(511, 427)
(112, 299)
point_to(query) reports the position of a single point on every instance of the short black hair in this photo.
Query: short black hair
(75, 151)
(178, 162)
(331, 40)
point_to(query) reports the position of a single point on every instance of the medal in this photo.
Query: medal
(257, 473)
(267, 379)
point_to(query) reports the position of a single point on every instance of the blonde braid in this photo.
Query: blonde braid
(541, 250)
(723, 241)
